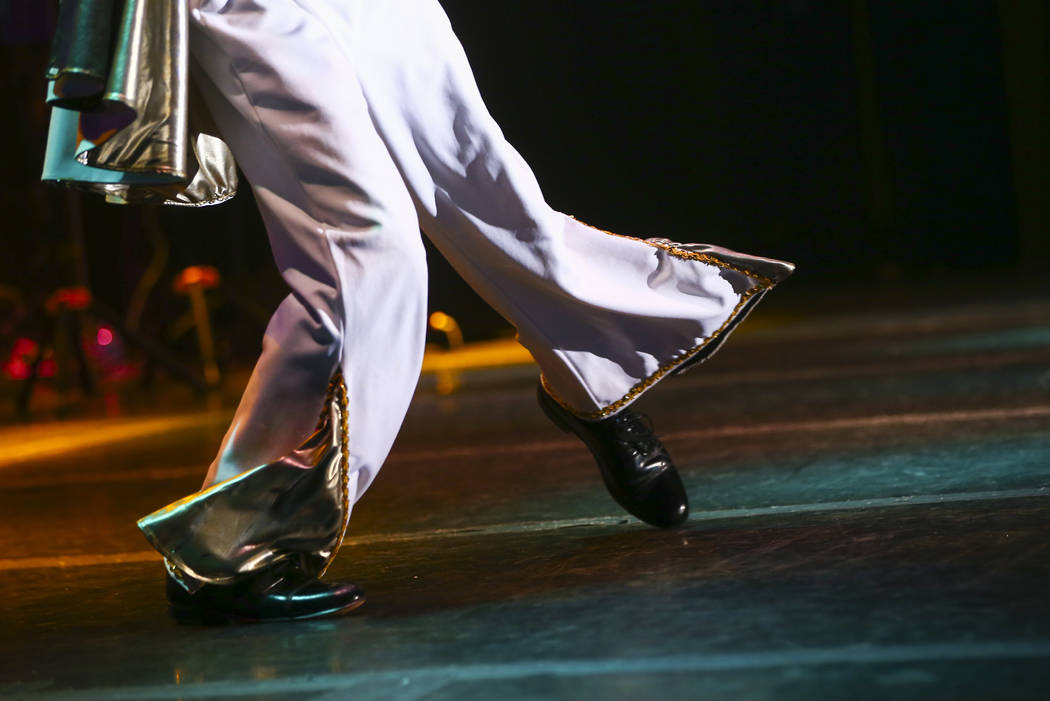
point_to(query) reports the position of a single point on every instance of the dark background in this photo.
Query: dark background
(872, 141)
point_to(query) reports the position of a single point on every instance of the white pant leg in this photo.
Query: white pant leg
(341, 224)
(605, 316)
(351, 118)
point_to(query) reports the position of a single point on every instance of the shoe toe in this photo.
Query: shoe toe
(313, 598)
(665, 504)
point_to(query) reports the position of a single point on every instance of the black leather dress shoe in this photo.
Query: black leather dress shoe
(634, 464)
(281, 593)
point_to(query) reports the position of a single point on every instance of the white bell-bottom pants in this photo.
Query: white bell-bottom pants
(358, 123)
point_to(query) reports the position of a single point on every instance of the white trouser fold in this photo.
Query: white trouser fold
(358, 123)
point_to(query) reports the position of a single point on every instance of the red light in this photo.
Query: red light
(104, 336)
(74, 298)
(23, 346)
(18, 364)
(17, 369)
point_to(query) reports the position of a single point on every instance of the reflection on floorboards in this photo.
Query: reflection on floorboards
(869, 520)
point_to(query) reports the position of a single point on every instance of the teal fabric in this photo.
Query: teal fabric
(61, 165)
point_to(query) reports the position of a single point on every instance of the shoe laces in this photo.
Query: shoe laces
(636, 430)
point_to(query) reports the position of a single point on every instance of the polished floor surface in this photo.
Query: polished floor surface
(871, 519)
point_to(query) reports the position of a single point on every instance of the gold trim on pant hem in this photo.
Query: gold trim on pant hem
(655, 377)
(763, 283)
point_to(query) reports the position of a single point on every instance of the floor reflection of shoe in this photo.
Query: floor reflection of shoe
(634, 464)
(281, 593)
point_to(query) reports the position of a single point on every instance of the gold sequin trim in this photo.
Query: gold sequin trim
(176, 573)
(652, 379)
(763, 283)
(688, 255)
(337, 393)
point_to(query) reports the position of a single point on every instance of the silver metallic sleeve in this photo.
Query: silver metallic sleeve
(139, 139)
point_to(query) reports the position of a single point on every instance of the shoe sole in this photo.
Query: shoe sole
(194, 616)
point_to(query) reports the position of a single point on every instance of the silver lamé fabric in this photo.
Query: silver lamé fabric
(295, 506)
(137, 133)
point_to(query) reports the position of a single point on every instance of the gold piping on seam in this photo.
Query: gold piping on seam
(337, 391)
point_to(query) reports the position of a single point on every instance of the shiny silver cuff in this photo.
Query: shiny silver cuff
(295, 507)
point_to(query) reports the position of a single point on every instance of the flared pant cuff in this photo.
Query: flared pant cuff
(295, 507)
(756, 275)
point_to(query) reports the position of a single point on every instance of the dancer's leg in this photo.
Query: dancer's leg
(346, 238)
(341, 225)
(605, 316)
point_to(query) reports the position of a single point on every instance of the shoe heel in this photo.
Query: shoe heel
(551, 411)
